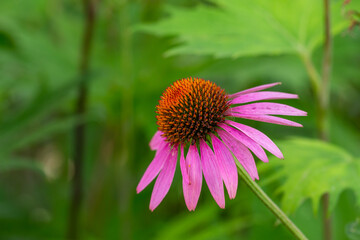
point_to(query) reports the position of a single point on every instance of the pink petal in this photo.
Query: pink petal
(192, 188)
(155, 166)
(268, 108)
(212, 173)
(254, 89)
(248, 142)
(183, 167)
(258, 96)
(266, 118)
(156, 140)
(241, 153)
(258, 137)
(227, 166)
(164, 180)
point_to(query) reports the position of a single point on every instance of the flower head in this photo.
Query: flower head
(196, 116)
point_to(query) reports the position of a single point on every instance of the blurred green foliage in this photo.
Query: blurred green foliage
(40, 42)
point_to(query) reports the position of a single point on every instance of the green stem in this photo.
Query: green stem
(269, 203)
(80, 129)
(314, 75)
(321, 94)
(323, 99)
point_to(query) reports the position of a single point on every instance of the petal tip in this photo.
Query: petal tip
(190, 206)
(220, 202)
(232, 195)
(254, 178)
(139, 189)
(152, 207)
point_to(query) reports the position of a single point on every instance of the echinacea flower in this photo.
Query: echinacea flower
(197, 116)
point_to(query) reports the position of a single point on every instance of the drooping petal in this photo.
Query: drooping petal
(155, 166)
(227, 166)
(268, 108)
(258, 96)
(258, 137)
(164, 180)
(212, 173)
(242, 153)
(266, 118)
(156, 140)
(254, 89)
(183, 167)
(248, 142)
(192, 188)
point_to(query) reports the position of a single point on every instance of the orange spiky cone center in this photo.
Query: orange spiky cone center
(190, 109)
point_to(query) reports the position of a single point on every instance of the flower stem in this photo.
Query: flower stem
(269, 203)
(79, 130)
(323, 100)
(321, 88)
(314, 76)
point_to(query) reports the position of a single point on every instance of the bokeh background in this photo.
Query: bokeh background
(130, 65)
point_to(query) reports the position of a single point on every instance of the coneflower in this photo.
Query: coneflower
(195, 116)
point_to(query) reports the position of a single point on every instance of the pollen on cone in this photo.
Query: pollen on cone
(190, 109)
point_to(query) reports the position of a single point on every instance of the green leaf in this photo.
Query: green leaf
(9, 163)
(353, 230)
(44, 133)
(194, 226)
(19, 128)
(185, 224)
(312, 168)
(236, 28)
(44, 102)
(33, 32)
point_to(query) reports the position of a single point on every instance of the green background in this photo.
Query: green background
(139, 48)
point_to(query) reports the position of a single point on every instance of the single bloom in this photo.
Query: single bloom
(195, 118)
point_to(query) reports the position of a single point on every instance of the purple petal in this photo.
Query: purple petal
(192, 188)
(268, 108)
(212, 173)
(241, 153)
(248, 142)
(258, 137)
(156, 140)
(266, 118)
(164, 180)
(155, 166)
(254, 89)
(227, 166)
(258, 96)
(183, 167)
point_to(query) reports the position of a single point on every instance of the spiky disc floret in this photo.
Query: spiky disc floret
(190, 109)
